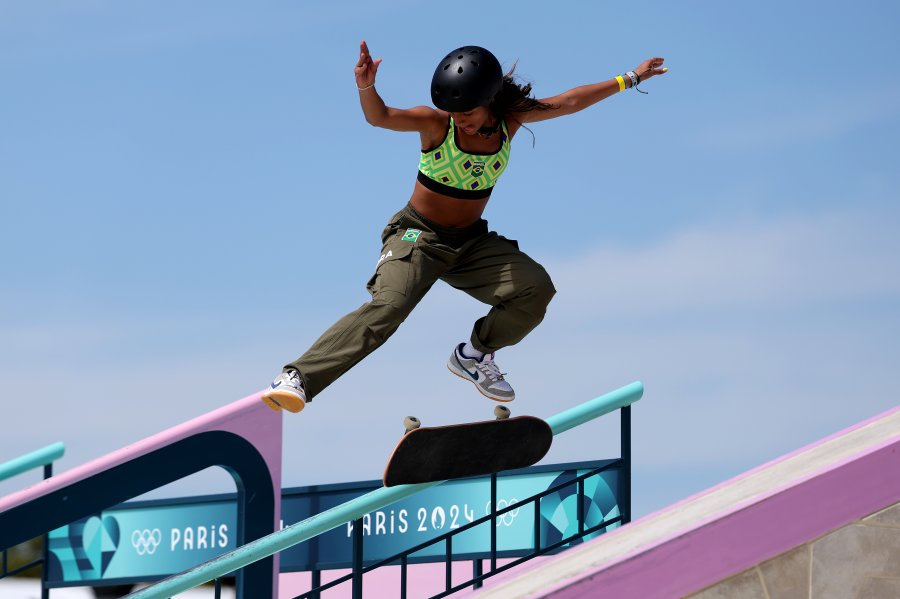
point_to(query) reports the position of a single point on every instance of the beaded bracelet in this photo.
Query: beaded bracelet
(362, 89)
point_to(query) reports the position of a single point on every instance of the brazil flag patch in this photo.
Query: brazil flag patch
(411, 235)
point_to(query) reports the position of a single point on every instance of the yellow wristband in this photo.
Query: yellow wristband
(621, 81)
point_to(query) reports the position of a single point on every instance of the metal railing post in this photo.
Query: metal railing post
(493, 522)
(404, 562)
(45, 548)
(448, 566)
(358, 559)
(316, 582)
(625, 436)
(580, 506)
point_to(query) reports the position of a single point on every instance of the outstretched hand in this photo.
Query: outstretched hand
(650, 68)
(365, 68)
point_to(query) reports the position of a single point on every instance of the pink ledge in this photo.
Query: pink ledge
(739, 537)
(752, 535)
(248, 417)
(778, 460)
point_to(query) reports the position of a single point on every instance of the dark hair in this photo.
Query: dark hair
(516, 97)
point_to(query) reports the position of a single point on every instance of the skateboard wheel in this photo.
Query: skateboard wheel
(501, 412)
(411, 423)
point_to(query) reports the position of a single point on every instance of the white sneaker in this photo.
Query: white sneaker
(483, 373)
(286, 392)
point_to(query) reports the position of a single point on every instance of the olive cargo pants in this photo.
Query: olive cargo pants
(415, 254)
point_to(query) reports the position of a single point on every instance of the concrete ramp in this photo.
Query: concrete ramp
(821, 522)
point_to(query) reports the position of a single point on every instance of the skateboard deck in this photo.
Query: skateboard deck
(437, 453)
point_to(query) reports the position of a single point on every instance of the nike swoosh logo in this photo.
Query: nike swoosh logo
(474, 375)
(276, 385)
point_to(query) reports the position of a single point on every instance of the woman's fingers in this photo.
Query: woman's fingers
(363, 54)
(365, 61)
(651, 66)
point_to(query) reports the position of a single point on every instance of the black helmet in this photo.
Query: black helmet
(467, 77)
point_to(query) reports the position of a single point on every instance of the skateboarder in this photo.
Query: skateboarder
(440, 234)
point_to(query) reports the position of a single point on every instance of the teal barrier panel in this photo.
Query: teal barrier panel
(35, 459)
(357, 508)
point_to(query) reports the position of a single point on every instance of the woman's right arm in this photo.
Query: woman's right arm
(423, 119)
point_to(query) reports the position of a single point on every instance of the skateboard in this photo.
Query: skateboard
(428, 454)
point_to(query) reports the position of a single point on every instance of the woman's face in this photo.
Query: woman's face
(471, 121)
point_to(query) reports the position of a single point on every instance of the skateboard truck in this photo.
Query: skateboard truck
(411, 423)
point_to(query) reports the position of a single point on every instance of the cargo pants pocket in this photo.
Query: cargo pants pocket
(392, 272)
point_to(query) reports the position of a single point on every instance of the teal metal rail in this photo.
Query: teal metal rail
(35, 459)
(357, 508)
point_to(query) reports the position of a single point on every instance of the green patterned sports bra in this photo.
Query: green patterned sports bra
(448, 170)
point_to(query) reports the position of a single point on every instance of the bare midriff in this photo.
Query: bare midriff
(447, 211)
(444, 210)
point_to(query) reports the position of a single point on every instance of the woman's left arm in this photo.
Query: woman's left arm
(581, 97)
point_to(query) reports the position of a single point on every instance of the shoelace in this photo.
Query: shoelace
(294, 380)
(489, 368)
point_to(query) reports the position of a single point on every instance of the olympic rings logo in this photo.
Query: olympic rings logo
(146, 541)
(507, 518)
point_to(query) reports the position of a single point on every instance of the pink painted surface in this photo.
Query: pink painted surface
(248, 418)
(748, 533)
(753, 534)
(423, 580)
(767, 465)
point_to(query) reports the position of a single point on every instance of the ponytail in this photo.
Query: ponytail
(514, 98)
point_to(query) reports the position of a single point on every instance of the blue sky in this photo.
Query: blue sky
(189, 196)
